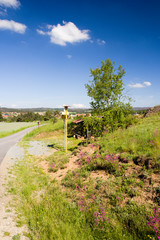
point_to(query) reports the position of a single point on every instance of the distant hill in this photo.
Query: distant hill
(74, 110)
(77, 110)
(140, 108)
(3, 109)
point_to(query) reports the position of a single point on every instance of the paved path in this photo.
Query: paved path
(7, 142)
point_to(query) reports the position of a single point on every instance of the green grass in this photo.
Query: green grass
(50, 215)
(140, 140)
(57, 160)
(6, 234)
(7, 129)
(53, 134)
(113, 205)
(16, 237)
(46, 129)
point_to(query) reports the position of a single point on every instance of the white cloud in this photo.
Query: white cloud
(59, 106)
(147, 84)
(41, 32)
(10, 3)
(101, 42)
(140, 85)
(78, 105)
(13, 26)
(14, 105)
(137, 85)
(66, 33)
(69, 56)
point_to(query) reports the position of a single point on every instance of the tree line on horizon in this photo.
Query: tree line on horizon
(31, 116)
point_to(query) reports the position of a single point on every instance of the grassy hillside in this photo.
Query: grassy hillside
(108, 189)
(142, 140)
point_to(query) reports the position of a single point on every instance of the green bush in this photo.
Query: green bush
(111, 120)
(95, 125)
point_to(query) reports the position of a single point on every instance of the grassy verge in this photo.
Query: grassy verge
(11, 128)
(45, 130)
(140, 141)
(53, 134)
(112, 192)
(49, 214)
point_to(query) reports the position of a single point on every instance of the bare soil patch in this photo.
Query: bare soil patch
(60, 174)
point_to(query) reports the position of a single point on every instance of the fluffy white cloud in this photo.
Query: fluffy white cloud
(13, 26)
(66, 33)
(10, 3)
(78, 105)
(140, 85)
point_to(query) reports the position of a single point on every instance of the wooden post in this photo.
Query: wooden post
(65, 127)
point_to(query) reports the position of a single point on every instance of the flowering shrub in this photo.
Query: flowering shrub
(155, 222)
(81, 155)
(53, 165)
(80, 187)
(53, 168)
(100, 217)
(88, 159)
(155, 141)
(98, 160)
(82, 204)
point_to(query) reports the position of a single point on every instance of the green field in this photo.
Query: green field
(11, 128)
(107, 189)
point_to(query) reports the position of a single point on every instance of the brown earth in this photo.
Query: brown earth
(146, 193)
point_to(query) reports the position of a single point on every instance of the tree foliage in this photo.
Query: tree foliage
(95, 125)
(27, 117)
(48, 115)
(117, 117)
(106, 87)
(1, 117)
(106, 92)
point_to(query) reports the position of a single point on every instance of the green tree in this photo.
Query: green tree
(1, 117)
(57, 113)
(106, 88)
(48, 115)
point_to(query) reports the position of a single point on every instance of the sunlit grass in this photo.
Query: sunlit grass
(136, 140)
(53, 134)
(49, 215)
(45, 130)
(91, 207)
(7, 129)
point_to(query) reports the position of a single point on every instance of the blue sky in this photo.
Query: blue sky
(47, 48)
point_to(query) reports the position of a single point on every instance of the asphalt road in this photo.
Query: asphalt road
(7, 142)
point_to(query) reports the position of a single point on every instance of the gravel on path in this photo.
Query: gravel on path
(38, 148)
(7, 214)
